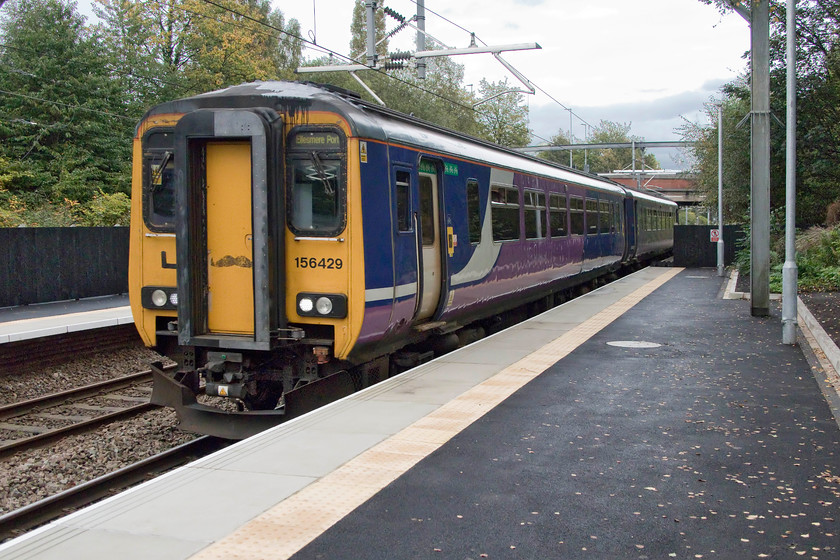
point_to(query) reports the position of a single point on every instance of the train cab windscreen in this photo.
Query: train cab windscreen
(316, 167)
(158, 185)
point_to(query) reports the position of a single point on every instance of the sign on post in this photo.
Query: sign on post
(714, 235)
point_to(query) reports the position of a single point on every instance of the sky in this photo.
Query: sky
(649, 63)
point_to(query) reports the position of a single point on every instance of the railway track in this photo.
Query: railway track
(43, 420)
(58, 505)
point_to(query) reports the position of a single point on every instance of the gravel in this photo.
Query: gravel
(15, 387)
(32, 475)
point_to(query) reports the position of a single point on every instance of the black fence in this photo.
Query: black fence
(55, 264)
(693, 247)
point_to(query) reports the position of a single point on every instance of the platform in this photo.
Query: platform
(50, 319)
(648, 419)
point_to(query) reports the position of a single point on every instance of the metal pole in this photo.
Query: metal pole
(421, 37)
(760, 158)
(720, 252)
(370, 11)
(571, 138)
(790, 272)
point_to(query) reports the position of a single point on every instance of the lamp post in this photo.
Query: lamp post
(790, 272)
(720, 251)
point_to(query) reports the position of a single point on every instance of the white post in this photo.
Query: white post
(790, 272)
(720, 252)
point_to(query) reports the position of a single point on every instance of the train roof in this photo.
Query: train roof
(368, 120)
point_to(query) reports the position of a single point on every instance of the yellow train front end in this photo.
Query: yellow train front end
(245, 248)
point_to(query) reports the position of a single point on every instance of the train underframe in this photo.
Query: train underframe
(263, 389)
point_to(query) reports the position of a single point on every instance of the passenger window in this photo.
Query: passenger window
(403, 186)
(504, 204)
(535, 222)
(591, 216)
(604, 216)
(576, 215)
(557, 215)
(617, 220)
(473, 212)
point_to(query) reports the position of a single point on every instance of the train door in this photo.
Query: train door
(224, 232)
(630, 222)
(430, 239)
(230, 277)
(406, 245)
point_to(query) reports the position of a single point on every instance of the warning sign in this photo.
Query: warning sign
(714, 235)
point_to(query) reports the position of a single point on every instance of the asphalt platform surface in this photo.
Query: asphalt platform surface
(717, 444)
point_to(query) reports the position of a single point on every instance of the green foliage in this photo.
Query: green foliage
(166, 50)
(503, 118)
(736, 148)
(817, 257)
(607, 160)
(818, 118)
(76, 92)
(61, 127)
(358, 33)
(106, 210)
(818, 260)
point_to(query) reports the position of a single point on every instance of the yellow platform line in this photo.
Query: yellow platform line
(286, 528)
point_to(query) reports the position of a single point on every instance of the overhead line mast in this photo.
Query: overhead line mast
(395, 60)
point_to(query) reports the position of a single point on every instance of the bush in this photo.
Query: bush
(832, 214)
(106, 210)
(817, 261)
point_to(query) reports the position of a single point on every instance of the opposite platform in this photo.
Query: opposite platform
(50, 319)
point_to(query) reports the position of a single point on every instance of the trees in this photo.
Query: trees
(72, 94)
(358, 33)
(818, 119)
(503, 118)
(62, 126)
(172, 48)
(603, 160)
(736, 147)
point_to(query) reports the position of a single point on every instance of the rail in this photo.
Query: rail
(36, 407)
(53, 507)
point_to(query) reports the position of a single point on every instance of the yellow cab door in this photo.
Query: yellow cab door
(224, 182)
(230, 269)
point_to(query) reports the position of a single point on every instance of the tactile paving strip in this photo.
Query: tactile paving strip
(290, 525)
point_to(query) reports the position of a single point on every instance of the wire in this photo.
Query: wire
(344, 57)
(472, 34)
(110, 67)
(32, 97)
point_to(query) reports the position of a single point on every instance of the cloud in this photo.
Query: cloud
(655, 120)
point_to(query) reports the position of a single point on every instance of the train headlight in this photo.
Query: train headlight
(322, 305)
(305, 305)
(159, 298)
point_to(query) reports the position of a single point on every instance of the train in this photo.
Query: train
(292, 243)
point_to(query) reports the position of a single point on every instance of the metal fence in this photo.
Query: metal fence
(693, 247)
(56, 264)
